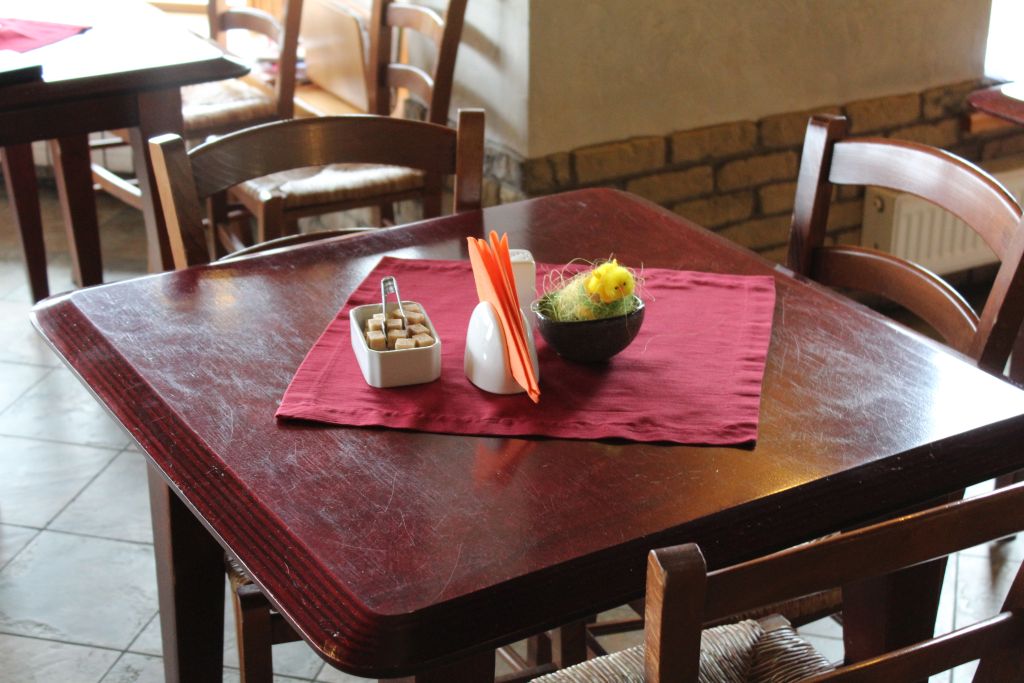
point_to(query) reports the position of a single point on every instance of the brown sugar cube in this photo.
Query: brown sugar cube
(418, 329)
(376, 340)
(378, 316)
(423, 340)
(415, 318)
(415, 308)
(395, 313)
(401, 344)
(395, 335)
(394, 324)
(374, 324)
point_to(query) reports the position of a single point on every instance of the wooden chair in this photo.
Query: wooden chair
(223, 106)
(187, 177)
(941, 178)
(278, 201)
(937, 176)
(682, 595)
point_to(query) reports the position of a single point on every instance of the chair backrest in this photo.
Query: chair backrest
(186, 178)
(939, 177)
(284, 34)
(387, 75)
(681, 594)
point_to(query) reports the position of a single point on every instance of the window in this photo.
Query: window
(1004, 56)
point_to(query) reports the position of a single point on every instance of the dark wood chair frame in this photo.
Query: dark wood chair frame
(682, 595)
(956, 185)
(186, 178)
(941, 178)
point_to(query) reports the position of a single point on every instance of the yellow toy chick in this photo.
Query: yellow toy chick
(610, 282)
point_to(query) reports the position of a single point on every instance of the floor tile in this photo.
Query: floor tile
(59, 408)
(965, 672)
(12, 274)
(827, 628)
(21, 343)
(148, 640)
(17, 379)
(945, 618)
(114, 505)
(982, 584)
(134, 668)
(89, 591)
(39, 478)
(829, 648)
(43, 661)
(12, 540)
(331, 675)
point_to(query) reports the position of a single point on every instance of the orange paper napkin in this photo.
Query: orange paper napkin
(496, 285)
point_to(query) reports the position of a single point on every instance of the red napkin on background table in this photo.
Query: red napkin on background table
(22, 35)
(692, 375)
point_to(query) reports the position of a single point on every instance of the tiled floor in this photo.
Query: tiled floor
(77, 583)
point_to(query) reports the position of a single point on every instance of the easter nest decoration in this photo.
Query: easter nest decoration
(590, 315)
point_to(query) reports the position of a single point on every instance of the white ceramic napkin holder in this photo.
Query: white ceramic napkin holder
(486, 361)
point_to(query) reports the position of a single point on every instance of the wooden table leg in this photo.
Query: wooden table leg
(475, 668)
(190, 583)
(159, 112)
(880, 615)
(23, 195)
(72, 167)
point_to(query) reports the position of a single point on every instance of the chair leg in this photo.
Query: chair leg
(538, 650)
(252, 627)
(387, 214)
(72, 166)
(572, 643)
(432, 205)
(270, 220)
(20, 180)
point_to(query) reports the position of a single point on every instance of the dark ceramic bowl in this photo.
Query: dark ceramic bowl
(590, 341)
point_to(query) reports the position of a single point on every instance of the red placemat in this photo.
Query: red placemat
(692, 375)
(22, 35)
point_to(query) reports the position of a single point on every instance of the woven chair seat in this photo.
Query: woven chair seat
(335, 183)
(224, 105)
(743, 652)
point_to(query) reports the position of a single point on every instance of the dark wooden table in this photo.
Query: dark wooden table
(1004, 101)
(384, 549)
(125, 72)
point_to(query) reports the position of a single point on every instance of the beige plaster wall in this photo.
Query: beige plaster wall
(492, 68)
(601, 70)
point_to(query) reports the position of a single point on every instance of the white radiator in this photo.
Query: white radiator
(921, 232)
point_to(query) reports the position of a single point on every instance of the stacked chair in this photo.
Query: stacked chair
(279, 200)
(220, 107)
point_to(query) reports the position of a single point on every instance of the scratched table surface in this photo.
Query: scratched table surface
(391, 551)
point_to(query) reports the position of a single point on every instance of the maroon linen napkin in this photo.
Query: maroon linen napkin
(692, 375)
(22, 35)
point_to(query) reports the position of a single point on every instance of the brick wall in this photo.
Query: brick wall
(739, 178)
